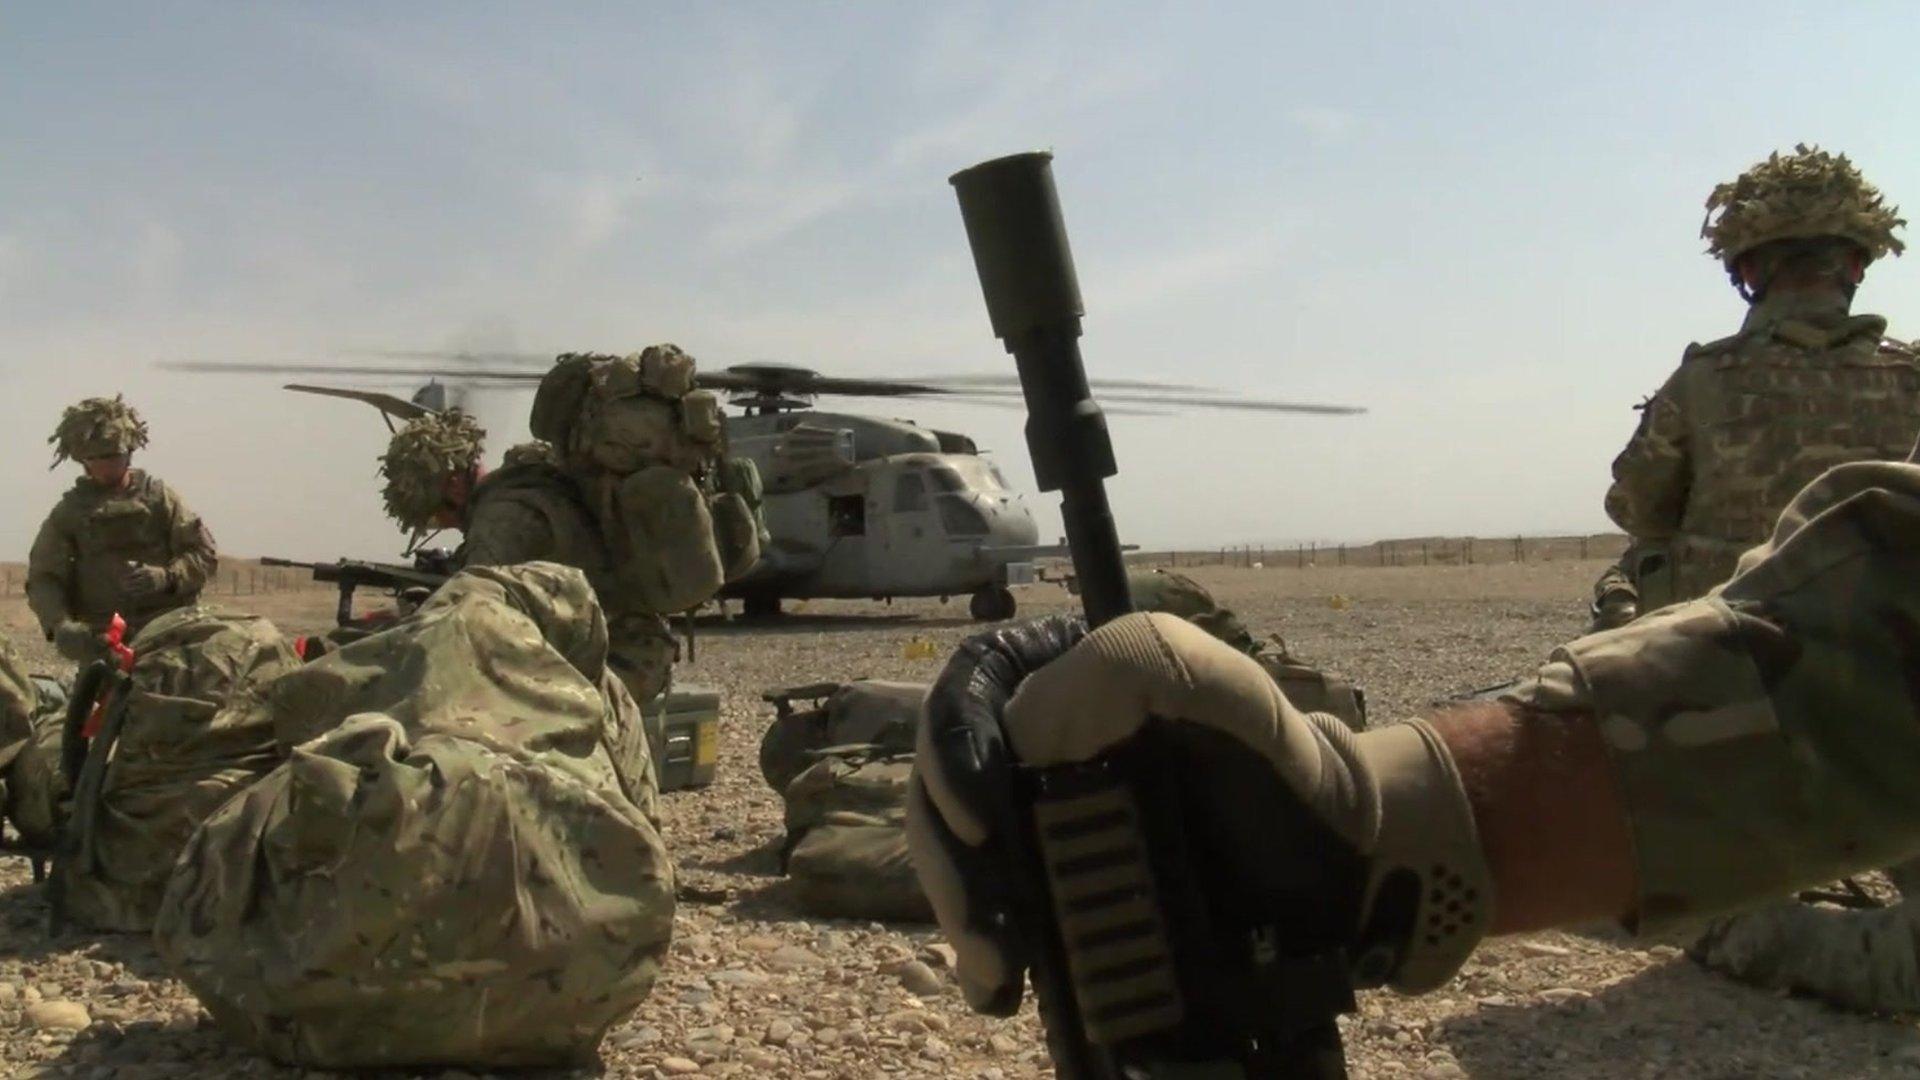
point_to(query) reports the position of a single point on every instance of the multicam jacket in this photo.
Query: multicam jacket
(1745, 423)
(73, 571)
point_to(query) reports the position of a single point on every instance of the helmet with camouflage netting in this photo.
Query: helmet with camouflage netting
(1178, 594)
(1803, 195)
(96, 428)
(419, 459)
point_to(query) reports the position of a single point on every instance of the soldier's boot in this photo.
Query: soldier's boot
(1864, 959)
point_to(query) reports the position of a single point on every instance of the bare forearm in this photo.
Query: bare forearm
(1548, 810)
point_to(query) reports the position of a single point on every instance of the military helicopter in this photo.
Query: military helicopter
(857, 506)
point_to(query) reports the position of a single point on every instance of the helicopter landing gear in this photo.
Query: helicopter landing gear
(992, 603)
(760, 605)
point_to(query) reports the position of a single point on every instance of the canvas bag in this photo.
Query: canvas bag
(865, 711)
(458, 865)
(846, 851)
(186, 744)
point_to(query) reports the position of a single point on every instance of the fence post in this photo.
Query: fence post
(1518, 555)
(1469, 551)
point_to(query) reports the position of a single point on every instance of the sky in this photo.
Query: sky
(1478, 220)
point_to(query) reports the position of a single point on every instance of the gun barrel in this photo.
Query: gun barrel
(1019, 240)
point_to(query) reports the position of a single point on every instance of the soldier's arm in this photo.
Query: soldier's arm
(1755, 741)
(191, 543)
(504, 534)
(49, 572)
(1651, 475)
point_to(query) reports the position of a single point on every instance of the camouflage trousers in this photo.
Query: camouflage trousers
(1864, 959)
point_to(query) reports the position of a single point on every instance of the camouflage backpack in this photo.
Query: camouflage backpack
(459, 864)
(178, 740)
(650, 452)
(839, 755)
(846, 849)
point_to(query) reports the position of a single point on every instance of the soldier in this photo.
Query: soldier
(1749, 420)
(120, 542)
(526, 511)
(1729, 749)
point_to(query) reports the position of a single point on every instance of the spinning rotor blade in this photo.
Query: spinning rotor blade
(775, 379)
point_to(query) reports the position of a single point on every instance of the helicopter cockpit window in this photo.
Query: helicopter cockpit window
(960, 517)
(909, 493)
(946, 479)
(999, 479)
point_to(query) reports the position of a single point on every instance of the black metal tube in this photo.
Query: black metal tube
(1019, 242)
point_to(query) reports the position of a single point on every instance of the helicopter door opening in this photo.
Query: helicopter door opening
(847, 515)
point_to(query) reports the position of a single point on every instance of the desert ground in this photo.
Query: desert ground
(751, 989)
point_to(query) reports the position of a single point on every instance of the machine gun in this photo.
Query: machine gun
(1149, 955)
(431, 568)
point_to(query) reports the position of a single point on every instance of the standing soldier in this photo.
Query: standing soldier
(1749, 420)
(120, 542)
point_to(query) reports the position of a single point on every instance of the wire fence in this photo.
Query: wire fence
(1423, 551)
(239, 579)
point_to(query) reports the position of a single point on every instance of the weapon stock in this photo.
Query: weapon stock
(1142, 970)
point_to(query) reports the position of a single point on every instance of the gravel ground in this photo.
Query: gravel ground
(754, 990)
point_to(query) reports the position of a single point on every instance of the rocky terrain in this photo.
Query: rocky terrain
(754, 990)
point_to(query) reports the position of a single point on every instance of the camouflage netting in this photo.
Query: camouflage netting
(534, 452)
(96, 428)
(419, 459)
(1806, 193)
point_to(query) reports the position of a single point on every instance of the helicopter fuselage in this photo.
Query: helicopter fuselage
(863, 507)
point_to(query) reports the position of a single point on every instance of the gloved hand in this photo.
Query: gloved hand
(1616, 608)
(140, 582)
(1366, 841)
(77, 641)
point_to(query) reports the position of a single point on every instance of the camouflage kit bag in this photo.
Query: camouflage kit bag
(458, 865)
(811, 718)
(846, 851)
(184, 742)
(839, 754)
(649, 450)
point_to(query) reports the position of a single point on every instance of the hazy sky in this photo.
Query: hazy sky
(1479, 220)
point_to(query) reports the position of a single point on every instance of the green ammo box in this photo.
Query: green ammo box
(688, 744)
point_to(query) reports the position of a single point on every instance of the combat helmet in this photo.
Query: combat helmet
(1808, 193)
(1178, 594)
(420, 457)
(97, 427)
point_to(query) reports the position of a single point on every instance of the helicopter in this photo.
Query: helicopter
(856, 506)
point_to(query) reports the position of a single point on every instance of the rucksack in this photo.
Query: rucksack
(649, 452)
(846, 849)
(459, 864)
(178, 742)
(813, 717)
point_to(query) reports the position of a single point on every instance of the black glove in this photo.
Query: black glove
(142, 582)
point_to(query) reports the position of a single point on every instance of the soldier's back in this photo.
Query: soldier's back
(1771, 409)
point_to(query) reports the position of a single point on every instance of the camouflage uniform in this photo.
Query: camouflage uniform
(1749, 420)
(1766, 737)
(17, 702)
(533, 511)
(84, 548)
(522, 513)
(1744, 424)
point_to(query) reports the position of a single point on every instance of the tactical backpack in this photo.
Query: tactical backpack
(846, 850)
(680, 519)
(839, 754)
